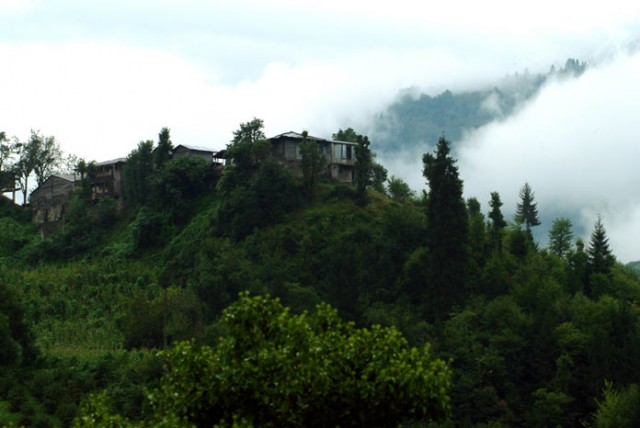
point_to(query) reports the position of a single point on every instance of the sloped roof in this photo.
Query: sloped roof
(112, 162)
(67, 177)
(194, 148)
(297, 136)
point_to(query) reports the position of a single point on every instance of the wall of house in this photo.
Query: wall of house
(50, 201)
(108, 181)
(340, 157)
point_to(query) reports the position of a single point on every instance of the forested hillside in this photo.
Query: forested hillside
(417, 120)
(255, 298)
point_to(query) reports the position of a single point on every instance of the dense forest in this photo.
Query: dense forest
(257, 298)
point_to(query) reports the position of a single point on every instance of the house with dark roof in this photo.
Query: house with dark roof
(50, 201)
(340, 155)
(108, 179)
(190, 150)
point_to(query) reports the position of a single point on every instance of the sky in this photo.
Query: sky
(103, 75)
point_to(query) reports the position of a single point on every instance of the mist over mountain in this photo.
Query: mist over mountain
(568, 132)
(417, 120)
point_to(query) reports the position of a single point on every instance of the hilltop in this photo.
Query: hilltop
(520, 335)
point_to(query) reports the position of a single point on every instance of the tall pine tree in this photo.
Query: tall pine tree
(527, 210)
(447, 233)
(560, 237)
(600, 259)
(497, 222)
(362, 167)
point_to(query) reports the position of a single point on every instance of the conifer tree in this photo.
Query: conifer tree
(137, 173)
(527, 210)
(560, 237)
(477, 239)
(362, 167)
(447, 232)
(600, 259)
(497, 222)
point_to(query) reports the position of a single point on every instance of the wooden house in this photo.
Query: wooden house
(50, 201)
(340, 155)
(189, 150)
(108, 180)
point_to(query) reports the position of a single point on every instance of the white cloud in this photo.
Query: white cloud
(102, 76)
(576, 144)
(15, 7)
(99, 100)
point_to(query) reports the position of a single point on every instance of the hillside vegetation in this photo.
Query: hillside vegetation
(257, 298)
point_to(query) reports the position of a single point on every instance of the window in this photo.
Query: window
(345, 151)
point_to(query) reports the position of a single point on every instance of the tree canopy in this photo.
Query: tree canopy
(447, 228)
(600, 256)
(277, 369)
(527, 210)
(313, 164)
(560, 237)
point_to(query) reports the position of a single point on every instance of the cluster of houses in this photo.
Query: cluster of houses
(50, 201)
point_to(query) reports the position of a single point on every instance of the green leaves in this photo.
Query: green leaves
(274, 368)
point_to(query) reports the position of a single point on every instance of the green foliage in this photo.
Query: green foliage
(477, 241)
(245, 153)
(497, 224)
(5, 151)
(274, 368)
(313, 164)
(85, 225)
(527, 210)
(363, 166)
(13, 236)
(399, 190)
(485, 341)
(367, 173)
(17, 345)
(347, 135)
(177, 185)
(618, 408)
(549, 409)
(87, 172)
(106, 212)
(378, 176)
(136, 174)
(40, 155)
(147, 229)
(600, 258)
(560, 237)
(173, 315)
(518, 242)
(447, 229)
(249, 132)
(162, 153)
(262, 201)
(531, 336)
(47, 155)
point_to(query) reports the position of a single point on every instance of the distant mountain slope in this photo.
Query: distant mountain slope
(634, 265)
(420, 119)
